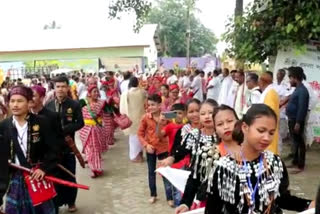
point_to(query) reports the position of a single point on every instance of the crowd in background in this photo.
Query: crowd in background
(188, 120)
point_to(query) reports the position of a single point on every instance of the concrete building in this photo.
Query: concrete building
(116, 46)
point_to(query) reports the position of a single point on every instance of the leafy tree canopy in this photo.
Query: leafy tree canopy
(171, 15)
(140, 7)
(267, 26)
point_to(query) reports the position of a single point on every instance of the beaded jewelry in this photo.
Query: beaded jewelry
(231, 174)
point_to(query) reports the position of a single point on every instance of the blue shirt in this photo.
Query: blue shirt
(297, 107)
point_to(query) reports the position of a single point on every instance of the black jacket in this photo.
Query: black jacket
(55, 126)
(41, 141)
(4, 175)
(70, 115)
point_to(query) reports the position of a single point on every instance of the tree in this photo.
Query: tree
(171, 15)
(267, 26)
(140, 7)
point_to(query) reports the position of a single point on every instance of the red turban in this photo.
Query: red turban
(91, 87)
(40, 90)
(173, 87)
(21, 90)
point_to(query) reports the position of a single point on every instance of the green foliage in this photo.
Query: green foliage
(140, 7)
(171, 15)
(258, 34)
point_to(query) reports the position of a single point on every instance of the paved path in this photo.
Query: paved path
(124, 188)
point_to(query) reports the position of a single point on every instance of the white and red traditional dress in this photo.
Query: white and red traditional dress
(92, 134)
(108, 121)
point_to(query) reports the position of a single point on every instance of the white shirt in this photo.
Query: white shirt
(186, 83)
(283, 89)
(252, 97)
(240, 101)
(213, 93)
(196, 85)
(226, 83)
(124, 86)
(22, 138)
(231, 94)
(172, 80)
(81, 88)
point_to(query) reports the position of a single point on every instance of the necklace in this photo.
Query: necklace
(251, 191)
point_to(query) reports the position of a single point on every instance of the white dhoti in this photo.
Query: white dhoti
(134, 146)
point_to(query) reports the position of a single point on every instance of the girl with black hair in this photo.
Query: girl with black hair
(225, 119)
(200, 145)
(256, 181)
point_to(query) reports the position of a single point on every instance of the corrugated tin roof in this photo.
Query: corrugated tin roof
(60, 39)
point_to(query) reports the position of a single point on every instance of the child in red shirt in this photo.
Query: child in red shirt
(170, 130)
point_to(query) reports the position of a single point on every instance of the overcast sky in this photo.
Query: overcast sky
(21, 16)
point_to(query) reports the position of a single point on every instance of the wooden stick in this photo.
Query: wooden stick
(66, 170)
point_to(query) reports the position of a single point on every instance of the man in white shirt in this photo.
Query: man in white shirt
(240, 100)
(172, 79)
(81, 88)
(124, 85)
(214, 86)
(226, 83)
(196, 86)
(186, 83)
(284, 90)
(253, 93)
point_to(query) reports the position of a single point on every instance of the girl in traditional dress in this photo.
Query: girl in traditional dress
(225, 119)
(198, 140)
(31, 144)
(256, 181)
(92, 134)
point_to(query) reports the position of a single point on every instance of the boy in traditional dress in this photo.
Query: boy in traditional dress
(30, 142)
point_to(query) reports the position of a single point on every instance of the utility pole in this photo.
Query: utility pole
(188, 34)
(239, 8)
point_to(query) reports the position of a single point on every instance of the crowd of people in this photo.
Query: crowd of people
(225, 127)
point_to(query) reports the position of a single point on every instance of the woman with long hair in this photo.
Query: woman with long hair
(199, 144)
(225, 119)
(257, 180)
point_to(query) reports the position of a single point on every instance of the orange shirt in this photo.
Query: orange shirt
(147, 134)
(222, 149)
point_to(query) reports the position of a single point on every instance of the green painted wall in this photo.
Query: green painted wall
(72, 54)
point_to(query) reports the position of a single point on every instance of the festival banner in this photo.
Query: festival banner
(309, 60)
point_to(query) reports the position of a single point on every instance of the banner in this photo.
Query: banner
(309, 61)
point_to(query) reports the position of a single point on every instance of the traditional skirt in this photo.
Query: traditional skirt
(110, 127)
(18, 200)
(93, 141)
